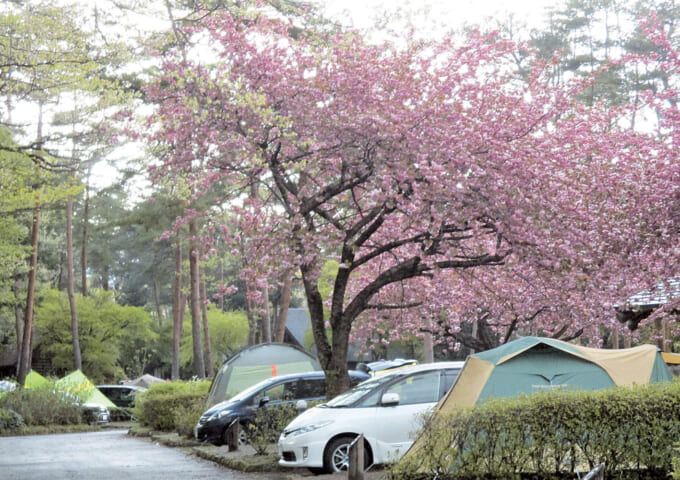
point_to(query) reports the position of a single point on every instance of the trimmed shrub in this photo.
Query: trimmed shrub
(188, 416)
(552, 434)
(10, 421)
(43, 406)
(268, 424)
(162, 406)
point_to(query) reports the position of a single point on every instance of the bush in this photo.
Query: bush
(163, 405)
(552, 434)
(43, 406)
(187, 417)
(10, 421)
(121, 414)
(268, 424)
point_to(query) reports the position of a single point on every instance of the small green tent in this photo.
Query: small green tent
(256, 363)
(531, 364)
(35, 380)
(79, 385)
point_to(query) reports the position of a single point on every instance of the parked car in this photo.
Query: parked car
(272, 392)
(380, 367)
(121, 395)
(91, 412)
(94, 413)
(386, 409)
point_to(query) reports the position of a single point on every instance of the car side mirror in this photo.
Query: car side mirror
(264, 401)
(301, 405)
(389, 399)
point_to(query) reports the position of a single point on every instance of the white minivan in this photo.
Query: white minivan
(386, 409)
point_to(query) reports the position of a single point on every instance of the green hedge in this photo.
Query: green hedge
(553, 434)
(10, 421)
(43, 406)
(164, 406)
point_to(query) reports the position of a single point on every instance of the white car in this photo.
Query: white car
(385, 409)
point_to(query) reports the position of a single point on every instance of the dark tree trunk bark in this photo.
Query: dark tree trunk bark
(266, 318)
(253, 333)
(105, 279)
(199, 365)
(83, 248)
(77, 358)
(210, 371)
(282, 317)
(157, 301)
(24, 363)
(177, 309)
(19, 310)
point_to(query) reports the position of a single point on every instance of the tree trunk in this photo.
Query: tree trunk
(105, 279)
(210, 371)
(18, 314)
(282, 317)
(157, 301)
(177, 307)
(252, 319)
(77, 358)
(199, 365)
(221, 299)
(24, 363)
(332, 356)
(83, 247)
(266, 318)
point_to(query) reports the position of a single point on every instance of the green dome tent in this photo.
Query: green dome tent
(79, 385)
(256, 363)
(531, 364)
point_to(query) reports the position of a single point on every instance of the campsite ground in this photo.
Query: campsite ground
(244, 459)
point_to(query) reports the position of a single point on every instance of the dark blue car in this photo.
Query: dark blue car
(280, 390)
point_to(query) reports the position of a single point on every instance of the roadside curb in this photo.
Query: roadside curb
(244, 459)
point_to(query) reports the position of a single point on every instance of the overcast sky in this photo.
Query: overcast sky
(452, 11)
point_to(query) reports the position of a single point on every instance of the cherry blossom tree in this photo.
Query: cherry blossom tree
(429, 170)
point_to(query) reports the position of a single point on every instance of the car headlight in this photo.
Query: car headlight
(307, 428)
(220, 414)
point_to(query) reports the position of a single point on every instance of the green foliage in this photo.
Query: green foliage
(552, 433)
(187, 417)
(228, 334)
(268, 424)
(121, 414)
(162, 405)
(43, 406)
(675, 461)
(10, 421)
(114, 339)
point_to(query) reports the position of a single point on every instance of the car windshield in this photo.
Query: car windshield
(251, 390)
(350, 397)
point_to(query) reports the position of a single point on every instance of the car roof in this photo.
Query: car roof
(127, 387)
(311, 374)
(424, 367)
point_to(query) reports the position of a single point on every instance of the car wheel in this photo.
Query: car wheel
(336, 455)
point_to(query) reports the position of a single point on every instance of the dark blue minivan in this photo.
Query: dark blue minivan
(280, 390)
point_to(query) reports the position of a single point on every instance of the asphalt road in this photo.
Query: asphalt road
(109, 454)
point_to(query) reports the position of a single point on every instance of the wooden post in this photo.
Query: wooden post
(355, 470)
(233, 431)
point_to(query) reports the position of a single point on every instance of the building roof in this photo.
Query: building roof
(658, 295)
(639, 306)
